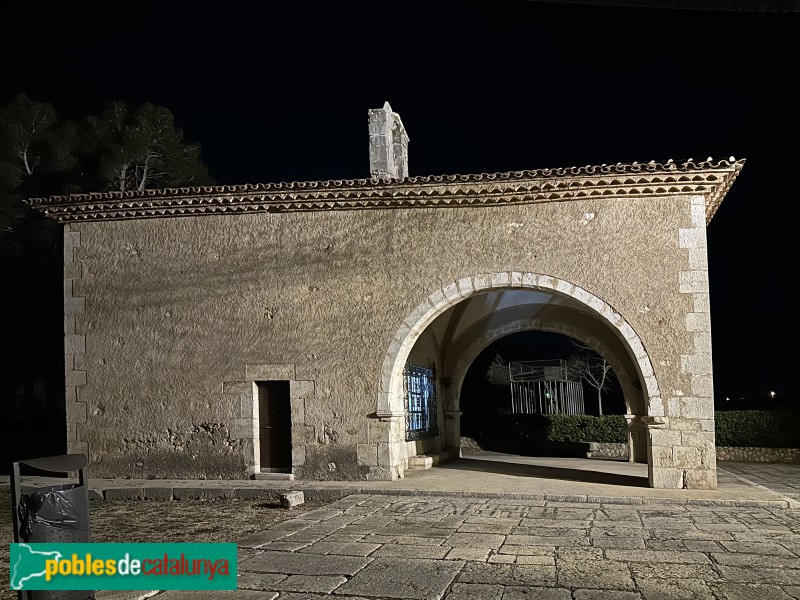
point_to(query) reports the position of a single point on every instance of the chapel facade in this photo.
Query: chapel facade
(323, 330)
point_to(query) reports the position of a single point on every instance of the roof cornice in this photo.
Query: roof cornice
(708, 178)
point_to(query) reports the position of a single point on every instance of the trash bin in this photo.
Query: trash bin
(51, 514)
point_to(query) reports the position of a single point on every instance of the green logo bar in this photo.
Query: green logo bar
(123, 566)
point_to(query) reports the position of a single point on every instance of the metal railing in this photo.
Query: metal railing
(545, 387)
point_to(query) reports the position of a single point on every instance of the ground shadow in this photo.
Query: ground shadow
(544, 472)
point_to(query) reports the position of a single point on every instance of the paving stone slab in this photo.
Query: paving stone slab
(674, 571)
(313, 596)
(258, 581)
(732, 559)
(702, 546)
(343, 538)
(526, 559)
(690, 534)
(500, 528)
(474, 591)
(536, 540)
(295, 563)
(673, 545)
(502, 574)
(534, 593)
(595, 574)
(401, 551)
(306, 536)
(621, 543)
(760, 575)
(605, 595)
(616, 514)
(619, 528)
(323, 584)
(285, 545)
(493, 520)
(414, 579)
(551, 531)
(675, 589)
(660, 556)
(415, 530)
(355, 549)
(211, 594)
(530, 550)
(502, 559)
(793, 591)
(557, 523)
(756, 548)
(667, 523)
(123, 594)
(475, 554)
(321, 513)
(415, 541)
(323, 547)
(579, 554)
(744, 591)
(723, 527)
(475, 540)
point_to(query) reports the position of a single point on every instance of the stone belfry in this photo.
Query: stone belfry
(388, 144)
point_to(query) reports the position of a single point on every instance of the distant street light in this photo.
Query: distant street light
(772, 394)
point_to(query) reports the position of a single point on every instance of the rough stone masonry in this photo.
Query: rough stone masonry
(190, 313)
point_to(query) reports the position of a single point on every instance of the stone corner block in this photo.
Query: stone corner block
(74, 344)
(367, 454)
(666, 478)
(75, 378)
(382, 474)
(701, 479)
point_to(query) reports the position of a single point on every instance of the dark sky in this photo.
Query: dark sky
(281, 94)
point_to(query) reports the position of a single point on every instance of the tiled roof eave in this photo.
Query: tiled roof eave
(523, 187)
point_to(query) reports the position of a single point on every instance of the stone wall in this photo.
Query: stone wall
(171, 320)
(724, 453)
(607, 450)
(765, 455)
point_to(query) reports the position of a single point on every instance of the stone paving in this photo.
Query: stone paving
(438, 536)
(374, 546)
(781, 478)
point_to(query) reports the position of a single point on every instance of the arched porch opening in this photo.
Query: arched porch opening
(500, 414)
(452, 325)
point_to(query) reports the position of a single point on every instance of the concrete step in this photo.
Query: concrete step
(273, 475)
(426, 461)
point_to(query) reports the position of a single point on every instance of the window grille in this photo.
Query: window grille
(419, 385)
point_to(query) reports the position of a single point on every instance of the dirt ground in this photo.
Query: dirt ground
(161, 521)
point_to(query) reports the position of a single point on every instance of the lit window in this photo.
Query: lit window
(420, 395)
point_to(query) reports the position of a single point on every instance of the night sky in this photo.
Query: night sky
(281, 94)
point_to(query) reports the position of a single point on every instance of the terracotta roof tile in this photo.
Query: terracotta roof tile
(709, 178)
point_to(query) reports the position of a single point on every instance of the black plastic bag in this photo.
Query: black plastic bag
(50, 514)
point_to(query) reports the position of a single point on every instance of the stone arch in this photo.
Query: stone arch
(459, 369)
(390, 395)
